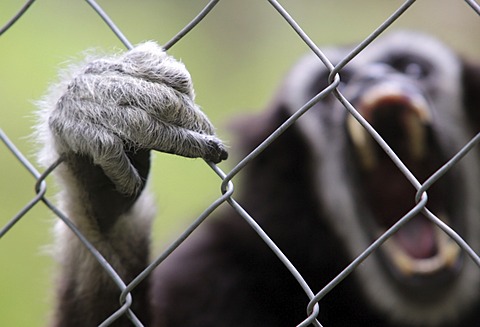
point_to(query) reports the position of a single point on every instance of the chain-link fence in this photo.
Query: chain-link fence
(226, 184)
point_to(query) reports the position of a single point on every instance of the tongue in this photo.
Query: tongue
(417, 238)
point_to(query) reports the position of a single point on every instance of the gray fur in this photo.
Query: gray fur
(143, 99)
(100, 117)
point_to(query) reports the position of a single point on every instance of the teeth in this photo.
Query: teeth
(363, 142)
(417, 138)
(415, 119)
(448, 252)
(393, 91)
(415, 122)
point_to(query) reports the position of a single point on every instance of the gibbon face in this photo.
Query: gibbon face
(410, 89)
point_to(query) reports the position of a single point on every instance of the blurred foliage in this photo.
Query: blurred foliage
(237, 57)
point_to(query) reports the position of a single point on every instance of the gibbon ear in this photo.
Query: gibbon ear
(471, 91)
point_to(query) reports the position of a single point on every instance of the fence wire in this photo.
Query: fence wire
(226, 183)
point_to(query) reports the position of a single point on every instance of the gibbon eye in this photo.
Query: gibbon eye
(412, 66)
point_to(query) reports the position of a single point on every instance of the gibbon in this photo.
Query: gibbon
(323, 191)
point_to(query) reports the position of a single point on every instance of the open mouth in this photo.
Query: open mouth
(402, 117)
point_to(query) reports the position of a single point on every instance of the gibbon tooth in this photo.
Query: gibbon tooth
(416, 122)
(420, 106)
(400, 259)
(448, 252)
(363, 143)
(404, 263)
(417, 138)
(448, 248)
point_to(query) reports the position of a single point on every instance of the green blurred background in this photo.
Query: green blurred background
(236, 56)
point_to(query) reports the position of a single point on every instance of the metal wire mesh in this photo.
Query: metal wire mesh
(226, 183)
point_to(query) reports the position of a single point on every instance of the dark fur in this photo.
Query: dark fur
(234, 276)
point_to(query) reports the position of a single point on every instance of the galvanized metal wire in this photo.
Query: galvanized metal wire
(225, 183)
